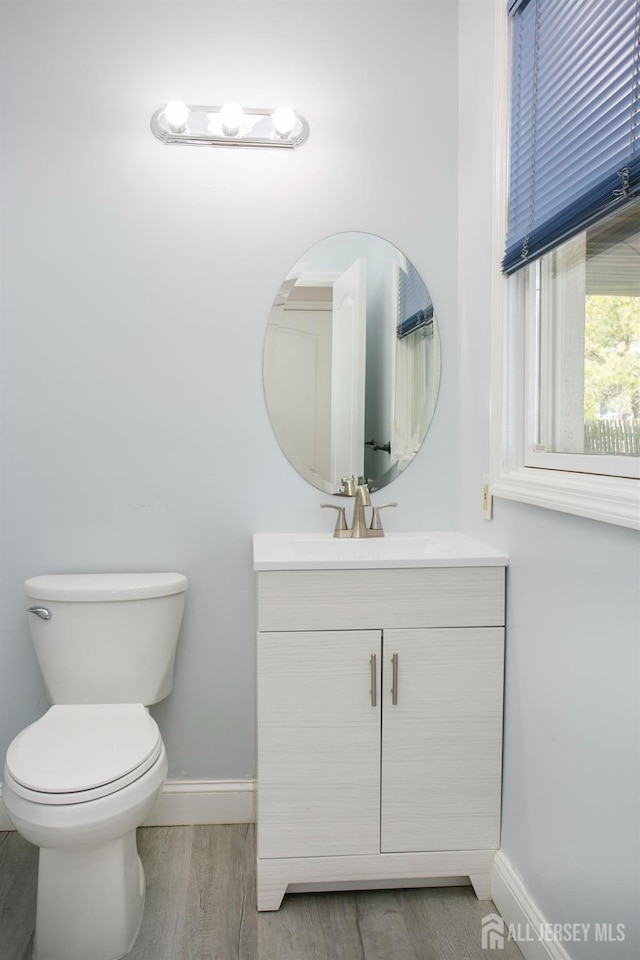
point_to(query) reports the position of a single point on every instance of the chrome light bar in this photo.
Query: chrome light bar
(229, 126)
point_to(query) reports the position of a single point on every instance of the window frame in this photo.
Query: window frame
(529, 308)
(602, 497)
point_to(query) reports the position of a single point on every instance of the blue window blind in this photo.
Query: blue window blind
(415, 308)
(575, 119)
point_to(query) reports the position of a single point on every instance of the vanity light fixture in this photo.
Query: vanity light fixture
(229, 126)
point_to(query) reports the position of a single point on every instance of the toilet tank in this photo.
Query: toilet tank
(106, 637)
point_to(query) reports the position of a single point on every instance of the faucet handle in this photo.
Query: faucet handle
(376, 526)
(341, 529)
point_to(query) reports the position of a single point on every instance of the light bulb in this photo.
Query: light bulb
(283, 120)
(231, 116)
(176, 113)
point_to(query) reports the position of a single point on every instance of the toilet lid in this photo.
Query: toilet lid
(84, 746)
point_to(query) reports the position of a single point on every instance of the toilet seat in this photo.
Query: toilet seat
(76, 753)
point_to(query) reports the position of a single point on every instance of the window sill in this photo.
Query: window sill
(608, 499)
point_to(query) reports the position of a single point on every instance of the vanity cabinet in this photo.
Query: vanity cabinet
(379, 726)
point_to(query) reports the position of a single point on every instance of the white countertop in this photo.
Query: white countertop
(321, 551)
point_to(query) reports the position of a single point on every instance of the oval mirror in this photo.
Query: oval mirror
(351, 362)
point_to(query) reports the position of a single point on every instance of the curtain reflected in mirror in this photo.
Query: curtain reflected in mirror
(351, 362)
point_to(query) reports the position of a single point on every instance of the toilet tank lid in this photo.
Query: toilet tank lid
(89, 587)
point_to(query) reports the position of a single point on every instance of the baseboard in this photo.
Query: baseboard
(184, 802)
(521, 916)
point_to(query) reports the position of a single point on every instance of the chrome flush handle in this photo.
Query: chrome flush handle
(41, 612)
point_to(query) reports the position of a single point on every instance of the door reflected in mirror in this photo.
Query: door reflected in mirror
(351, 362)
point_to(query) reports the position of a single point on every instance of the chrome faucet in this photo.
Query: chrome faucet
(359, 523)
(359, 528)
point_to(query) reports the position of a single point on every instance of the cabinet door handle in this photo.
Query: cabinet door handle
(394, 682)
(374, 681)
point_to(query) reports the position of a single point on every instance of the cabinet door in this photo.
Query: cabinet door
(442, 740)
(318, 743)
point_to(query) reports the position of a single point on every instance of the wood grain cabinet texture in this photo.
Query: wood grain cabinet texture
(379, 727)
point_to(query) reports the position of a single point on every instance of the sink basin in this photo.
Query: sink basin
(296, 551)
(377, 548)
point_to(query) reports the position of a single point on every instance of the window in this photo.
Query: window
(583, 409)
(571, 433)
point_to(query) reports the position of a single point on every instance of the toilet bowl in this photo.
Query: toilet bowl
(77, 783)
(81, 779)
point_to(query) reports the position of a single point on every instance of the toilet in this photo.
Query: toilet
(80, 780)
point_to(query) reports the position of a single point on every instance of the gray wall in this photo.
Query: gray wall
(136, 285)
(571, 788)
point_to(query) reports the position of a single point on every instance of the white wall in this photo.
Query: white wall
(136, 285)
(571, 789)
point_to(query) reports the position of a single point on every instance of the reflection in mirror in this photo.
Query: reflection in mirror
(351, 362)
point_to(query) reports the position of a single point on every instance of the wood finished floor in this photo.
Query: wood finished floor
(201, 906)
